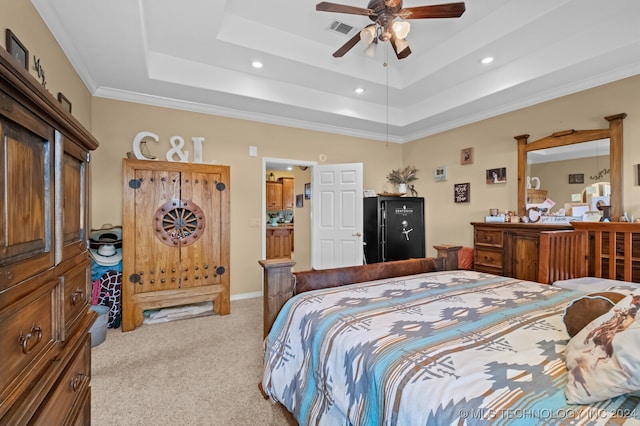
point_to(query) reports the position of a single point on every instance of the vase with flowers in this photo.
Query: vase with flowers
(402, 177)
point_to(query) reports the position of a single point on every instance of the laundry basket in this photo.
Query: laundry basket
(99, 328)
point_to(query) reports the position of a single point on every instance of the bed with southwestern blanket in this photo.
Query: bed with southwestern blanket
(455, 347)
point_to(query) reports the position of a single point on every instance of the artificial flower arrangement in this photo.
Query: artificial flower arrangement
(403, 176)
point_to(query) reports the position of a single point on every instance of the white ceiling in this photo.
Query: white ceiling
(196, 55)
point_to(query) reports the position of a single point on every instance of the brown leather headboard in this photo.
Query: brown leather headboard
(312, 280)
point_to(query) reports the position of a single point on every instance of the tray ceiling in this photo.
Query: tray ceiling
(197, 55)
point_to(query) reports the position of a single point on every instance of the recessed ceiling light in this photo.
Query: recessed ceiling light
(487, 60)
(256, 64)
(289, 168)
(360, 90)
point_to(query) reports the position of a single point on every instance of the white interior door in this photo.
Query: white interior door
(336, 219)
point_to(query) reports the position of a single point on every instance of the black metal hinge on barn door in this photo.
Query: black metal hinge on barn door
(135, 184)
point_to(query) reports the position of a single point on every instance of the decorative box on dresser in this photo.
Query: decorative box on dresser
(175, 242)
(509, 249)
(45, 284)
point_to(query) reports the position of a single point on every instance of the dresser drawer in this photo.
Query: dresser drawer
(76, 285)
(69, 391)
(490, 258)
(489, 237)
(28, 340)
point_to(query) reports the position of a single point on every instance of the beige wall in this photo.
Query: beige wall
(494, 146)
(227, 141)
(24, 21)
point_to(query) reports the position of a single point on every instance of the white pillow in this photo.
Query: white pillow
(603, 359)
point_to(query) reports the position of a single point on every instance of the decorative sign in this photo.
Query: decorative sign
(39, 71)
(601, 174)
(176, 150)
(563, 220)
(462, 192)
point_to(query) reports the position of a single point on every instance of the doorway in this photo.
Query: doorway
(300, 171)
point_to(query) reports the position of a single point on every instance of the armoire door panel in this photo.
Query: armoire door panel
(200, 259)
(26, 202)
(157, 259)
(71, 213)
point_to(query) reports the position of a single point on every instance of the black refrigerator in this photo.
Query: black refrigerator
(393, 228)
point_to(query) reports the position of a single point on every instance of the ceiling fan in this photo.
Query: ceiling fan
(390, 23)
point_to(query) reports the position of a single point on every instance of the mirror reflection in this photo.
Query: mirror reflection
(572, 176)
(602, 173)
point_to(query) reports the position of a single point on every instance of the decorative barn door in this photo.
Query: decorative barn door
(175, 237)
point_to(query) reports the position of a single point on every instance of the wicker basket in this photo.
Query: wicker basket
(536, 196)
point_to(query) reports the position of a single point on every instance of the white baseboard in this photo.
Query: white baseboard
(245, 295)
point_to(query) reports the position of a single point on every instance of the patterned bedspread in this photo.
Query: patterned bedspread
(456, 347)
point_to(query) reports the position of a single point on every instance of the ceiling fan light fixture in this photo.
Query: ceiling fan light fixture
(368, 34)
(401, 28)
(401, 44)
(370, 51)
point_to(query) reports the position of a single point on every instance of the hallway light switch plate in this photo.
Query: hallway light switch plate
(253, 151)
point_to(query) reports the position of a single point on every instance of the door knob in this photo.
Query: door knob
(357, 234)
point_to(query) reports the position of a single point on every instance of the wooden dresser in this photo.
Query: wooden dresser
(509, 249)
(45, 284)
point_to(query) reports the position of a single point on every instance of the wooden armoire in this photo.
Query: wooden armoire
(175, 237)
(45, 279)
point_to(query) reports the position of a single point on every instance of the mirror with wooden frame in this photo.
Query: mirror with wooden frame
(570, 137)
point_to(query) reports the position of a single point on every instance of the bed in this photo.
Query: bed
(431, 347)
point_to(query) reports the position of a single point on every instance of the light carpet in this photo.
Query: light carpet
(198, 371)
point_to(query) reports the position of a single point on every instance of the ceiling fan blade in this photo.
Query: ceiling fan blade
(400, 44)
(448, 10)
(347, 46)
(341, 8)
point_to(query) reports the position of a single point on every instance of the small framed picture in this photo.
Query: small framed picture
(66, 104)
(466, 156)
(576, 178)
(497, 175)
(17, 49)
(307, 191)
(440, 174)
(462, 192)
(299, 200)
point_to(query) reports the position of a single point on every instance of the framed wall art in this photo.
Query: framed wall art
(307, 191)
(66, 104)
(497, 175)
(466, 156)
(299, 200)
(576, 178)
(462, 192)
(440, 174)
(17, 49)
